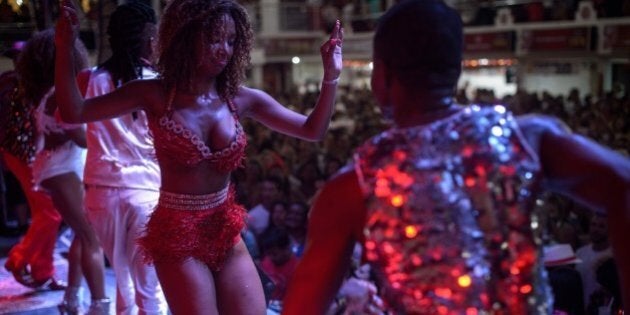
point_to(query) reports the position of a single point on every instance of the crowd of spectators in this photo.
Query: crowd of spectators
(282, 175)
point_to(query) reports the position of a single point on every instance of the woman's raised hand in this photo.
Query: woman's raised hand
(67, 29)
(331, 53)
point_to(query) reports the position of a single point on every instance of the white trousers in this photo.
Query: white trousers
(119, 216)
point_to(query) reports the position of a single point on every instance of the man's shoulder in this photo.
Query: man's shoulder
(540, 121)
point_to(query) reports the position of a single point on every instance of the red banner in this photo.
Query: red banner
(292, 46)
(617, 38)
(563, 39)
(489, 42)
(358, 45)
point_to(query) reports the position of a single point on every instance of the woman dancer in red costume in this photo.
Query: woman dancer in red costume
(193, 110)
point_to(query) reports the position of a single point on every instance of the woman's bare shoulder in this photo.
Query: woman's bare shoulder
(247, 98)
(251, 94)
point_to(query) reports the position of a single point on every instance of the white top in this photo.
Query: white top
(65, 158)
(588, 268)
(258, 219)
(120, 150)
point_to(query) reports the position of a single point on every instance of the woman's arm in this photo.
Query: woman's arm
(268, 111)
(74, 133)
(78, 136)
(72, 106)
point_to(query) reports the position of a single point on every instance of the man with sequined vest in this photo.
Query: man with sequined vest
(443, 201)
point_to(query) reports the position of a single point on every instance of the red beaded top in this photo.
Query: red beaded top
(173, 139)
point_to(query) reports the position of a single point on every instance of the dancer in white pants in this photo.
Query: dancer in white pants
(121, 174)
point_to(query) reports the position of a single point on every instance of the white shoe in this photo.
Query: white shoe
(99, 307)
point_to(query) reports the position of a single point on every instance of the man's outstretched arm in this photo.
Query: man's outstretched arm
(591, 174)
(335, 224)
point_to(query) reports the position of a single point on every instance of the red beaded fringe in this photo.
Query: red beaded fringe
(206, 235)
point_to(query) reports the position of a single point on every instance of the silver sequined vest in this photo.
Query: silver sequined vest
(451, 226)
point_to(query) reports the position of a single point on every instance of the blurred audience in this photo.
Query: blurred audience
(286, 174)
(566, 283)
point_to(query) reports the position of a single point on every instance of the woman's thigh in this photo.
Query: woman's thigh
(66, 191)
(239, 290)
(188, 287)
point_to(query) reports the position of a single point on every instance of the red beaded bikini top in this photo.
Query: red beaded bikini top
(175, 140)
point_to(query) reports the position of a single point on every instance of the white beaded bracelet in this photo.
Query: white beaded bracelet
(333, 81)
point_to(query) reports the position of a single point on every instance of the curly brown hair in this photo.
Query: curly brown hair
(183, 25)
(36, 65)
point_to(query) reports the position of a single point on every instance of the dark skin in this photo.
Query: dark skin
(190, 287)
(212, 120)
(66, 191)
(54, 140)
(572, 165)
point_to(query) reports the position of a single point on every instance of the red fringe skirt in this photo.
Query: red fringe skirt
(204, 227)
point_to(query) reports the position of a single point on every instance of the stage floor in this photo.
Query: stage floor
(16, 299)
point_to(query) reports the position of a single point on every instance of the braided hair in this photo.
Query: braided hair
(128, 40)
